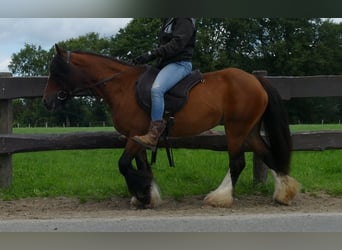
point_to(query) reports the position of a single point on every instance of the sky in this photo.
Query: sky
(15, 32)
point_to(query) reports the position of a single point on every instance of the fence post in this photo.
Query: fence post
(260, 169)
(6, 120)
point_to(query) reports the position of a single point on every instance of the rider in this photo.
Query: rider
(174, 53)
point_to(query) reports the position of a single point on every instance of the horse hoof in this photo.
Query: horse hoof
(286, 189)
(155, 195)
(212, 200)
(135, 203)
(154, 201)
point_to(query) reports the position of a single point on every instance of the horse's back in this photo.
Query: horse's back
(231, 76)
(224, 95)
(233, 84)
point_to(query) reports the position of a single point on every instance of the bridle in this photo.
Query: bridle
(64, 94)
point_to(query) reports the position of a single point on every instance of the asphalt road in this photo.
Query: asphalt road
(320, 222)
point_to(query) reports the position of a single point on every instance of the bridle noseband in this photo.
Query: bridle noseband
(63, 94)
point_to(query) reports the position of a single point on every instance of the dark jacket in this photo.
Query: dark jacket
(176, 41)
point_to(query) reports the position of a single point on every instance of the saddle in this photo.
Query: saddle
(175, 98)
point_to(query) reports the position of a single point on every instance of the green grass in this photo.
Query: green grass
(94, 174)
(315, 127)
(304, 127)
(319, 171)
(40, 130)
(77, 173)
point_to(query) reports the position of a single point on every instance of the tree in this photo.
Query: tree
(91, 42)
(30, 61)
(138, 37)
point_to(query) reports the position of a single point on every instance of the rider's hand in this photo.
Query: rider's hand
(145, 58)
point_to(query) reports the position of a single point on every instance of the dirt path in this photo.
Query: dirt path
(49, 208)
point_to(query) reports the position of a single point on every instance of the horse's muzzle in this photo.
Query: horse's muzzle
(53, 103)
(49, 105)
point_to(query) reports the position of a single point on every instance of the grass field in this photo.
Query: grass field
(94, 174)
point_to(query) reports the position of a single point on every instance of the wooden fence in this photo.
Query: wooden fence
(32, 87)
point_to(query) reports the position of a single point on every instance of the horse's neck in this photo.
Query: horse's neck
(121, 81)
(119, 94)
(103, 68)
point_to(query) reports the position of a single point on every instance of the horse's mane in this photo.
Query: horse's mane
(59, 69)
(103, 56)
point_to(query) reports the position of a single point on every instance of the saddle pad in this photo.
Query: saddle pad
(175, 98)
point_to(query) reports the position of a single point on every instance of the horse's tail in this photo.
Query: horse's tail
(277, 129)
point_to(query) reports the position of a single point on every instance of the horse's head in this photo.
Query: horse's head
(64, 78)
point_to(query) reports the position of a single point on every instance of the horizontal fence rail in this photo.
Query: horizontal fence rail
(33, 87)
(307, 86)
(288, 86)
(18, 143)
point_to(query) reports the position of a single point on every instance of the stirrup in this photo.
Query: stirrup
(168, 148)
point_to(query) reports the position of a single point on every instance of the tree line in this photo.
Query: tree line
(282, 46)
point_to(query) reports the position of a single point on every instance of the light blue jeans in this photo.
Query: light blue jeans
(168, 77)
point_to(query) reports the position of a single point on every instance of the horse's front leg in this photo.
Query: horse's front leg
(143, 165)
(139, 180)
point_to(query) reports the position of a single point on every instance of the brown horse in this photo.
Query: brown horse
(239, 99)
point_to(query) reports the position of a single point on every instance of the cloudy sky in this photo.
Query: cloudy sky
(15, 32)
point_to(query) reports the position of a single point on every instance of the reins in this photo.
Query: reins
(64, 94)
(103, 81)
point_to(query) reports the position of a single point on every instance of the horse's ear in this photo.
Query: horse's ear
(58, 49)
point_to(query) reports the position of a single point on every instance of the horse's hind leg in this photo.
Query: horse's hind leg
(223, 195)
(286, 187)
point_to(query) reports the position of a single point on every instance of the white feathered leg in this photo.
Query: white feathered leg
(286, 188)
(155, 198)
(223, 195)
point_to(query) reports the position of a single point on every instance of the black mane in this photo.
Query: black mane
(59, 69)
(103, 56)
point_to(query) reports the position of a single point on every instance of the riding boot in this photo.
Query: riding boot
(150, 140)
